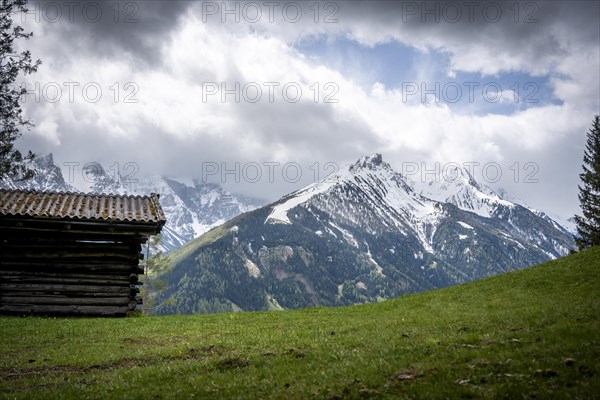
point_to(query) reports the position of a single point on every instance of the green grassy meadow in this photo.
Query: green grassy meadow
(533, 333)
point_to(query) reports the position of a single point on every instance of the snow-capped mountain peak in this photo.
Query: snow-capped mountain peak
(363, 234)
(190, 210)
(48, 176)
(372, 162)
(369, 190)
(366, 169)
(455, 185)
(415, 200)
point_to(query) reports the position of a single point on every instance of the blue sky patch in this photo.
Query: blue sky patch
(423, 77)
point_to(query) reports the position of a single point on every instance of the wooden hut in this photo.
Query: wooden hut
(73, 253)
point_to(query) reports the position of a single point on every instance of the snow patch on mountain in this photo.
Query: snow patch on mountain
(464, 225)
(457, 186)
(279, 213)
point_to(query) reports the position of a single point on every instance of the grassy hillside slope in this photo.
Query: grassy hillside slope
(525, 334)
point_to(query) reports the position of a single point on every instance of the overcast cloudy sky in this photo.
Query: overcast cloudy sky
(196, 89)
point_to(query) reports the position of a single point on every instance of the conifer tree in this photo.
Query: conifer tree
(11, 65)
(588, 225)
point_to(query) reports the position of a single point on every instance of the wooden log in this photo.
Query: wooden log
(88, 266)
(81, 270)
(47, 265)
(72, 245)
(131, 278)
(64, 280)
(25, 287)
(8, 246)
(62, 300)
(65, 310)
(98, 262)
(57, 240)
(41, 227)
(58, 255)
(137, 227)
(8, 235)
(9, 293)
(130, 242)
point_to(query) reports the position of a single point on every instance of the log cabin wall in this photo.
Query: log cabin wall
(73, 254)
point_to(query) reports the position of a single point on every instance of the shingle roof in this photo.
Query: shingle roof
(81, 206)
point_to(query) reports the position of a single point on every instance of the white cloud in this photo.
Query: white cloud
(171, 130)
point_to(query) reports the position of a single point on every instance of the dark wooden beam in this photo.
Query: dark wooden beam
(12, 233)
(63, 288)
(59, 255)
(66, 301)
(93, 263)
(79, 226)
(64, 279)
(33, 294)
(65, 310)
(29, 245)
(8, 274)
